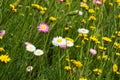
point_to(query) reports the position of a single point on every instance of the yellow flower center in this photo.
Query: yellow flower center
(59, 40)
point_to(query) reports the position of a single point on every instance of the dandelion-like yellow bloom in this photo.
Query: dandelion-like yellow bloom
(1, 49)
(78, 64)
(83, 21)
(102, 48)
(52, 18)
(106, 39)
(92, 27)
(92, 18)
(83, 78)
(5, 58)
(97, 70)
(91, 10)
(116, 45)
(67, 68)
(111, 4)
(115, 67)
(118, 54)
(118, 1)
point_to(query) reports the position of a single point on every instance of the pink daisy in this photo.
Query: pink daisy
(93, 51)
(2, 33)
(43, 28)
(97, 2)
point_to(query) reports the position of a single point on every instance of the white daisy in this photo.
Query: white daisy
(30, 48)
(58, 41)
(83, 31)
(70, 43)
(80, 13)
(29, 68)
(38, 52)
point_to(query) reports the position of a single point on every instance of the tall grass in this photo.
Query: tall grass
(21, 27)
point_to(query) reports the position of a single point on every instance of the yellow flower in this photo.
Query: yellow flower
(83, 78)
(83, 21)
(77, 64)
(118, 1)
(105, 57)
(102, 48)
(42, 12)
(116, 45)
(118, 54)
(84, 5)
(115, 68)
(12, 6)
(67, 68)
(111, 4)
(92, 27)
(118, 73)
(91, 10)
(97, 71)
(1, 49)
(5, 58)
(1, 37)
(92, 18)
(70, 39)
(77, 46)
(52, 18)
(106, 39)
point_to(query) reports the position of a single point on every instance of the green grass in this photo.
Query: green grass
(50, 66)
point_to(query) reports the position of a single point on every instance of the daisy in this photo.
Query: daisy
(97, 2)
(43, 27)
(38, 52)
(83, 31)
(93, 51)
(2, 33)
(29, 68)
(30, 48)
(58, 41)
(69, 43)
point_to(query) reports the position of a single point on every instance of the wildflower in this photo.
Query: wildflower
(117, 33)
(43, 28)
(83, 21)
(52, 18)
(84, 5)
(58, 41)
(118, 1)
(91, 10)
(69, 42)
(105, 57)
(102, 48)
(118, 54)
(106, 39)
(5, 58)
(30, 47)
(1, 49)
(116, 45)
(92, 18)
(38, 52)
(42, 12)
(92, 27)
(77, 46)
(29, 68)
(97, 71)
(118, 73)
(80, 13)
(67, 68)
(2, 33)
(93, 51)
(115, 68)
(82, 78)
(61, 0)
(83, 31)
(111, 4)
(77, 64)
(97, 2)
(12, 7)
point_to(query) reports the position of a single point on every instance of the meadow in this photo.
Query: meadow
(59, 39)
